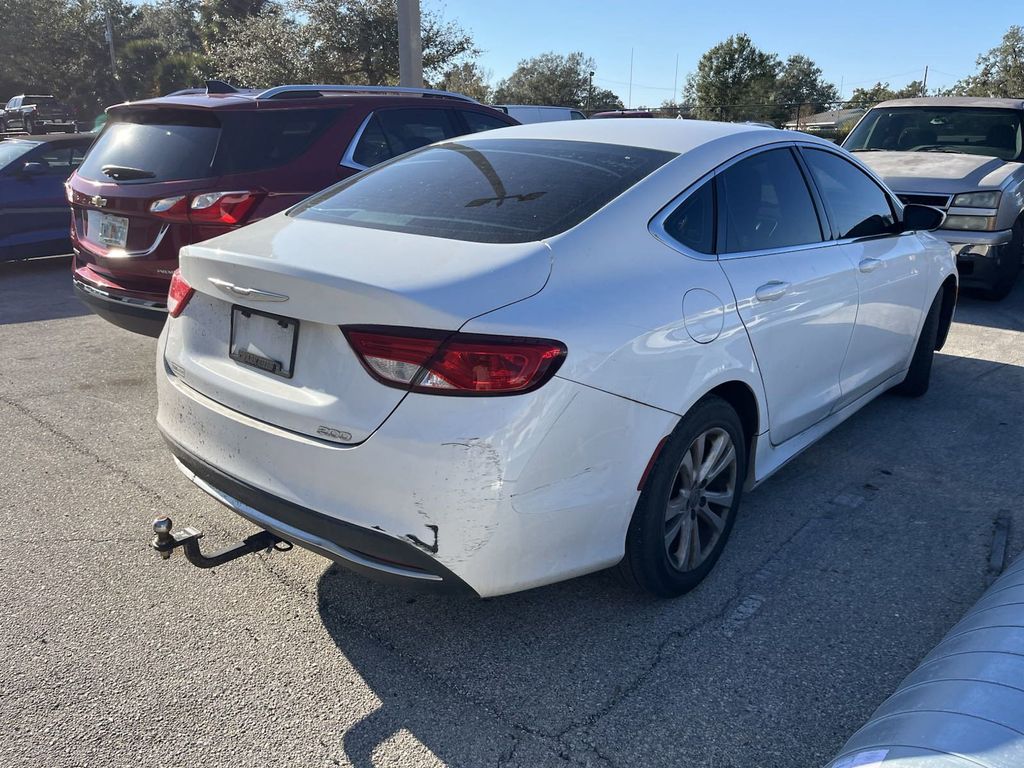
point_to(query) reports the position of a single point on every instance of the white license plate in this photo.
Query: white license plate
(107, 229)
(264, 341)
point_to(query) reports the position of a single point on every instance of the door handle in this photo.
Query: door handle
(869, 265)
(776, 289)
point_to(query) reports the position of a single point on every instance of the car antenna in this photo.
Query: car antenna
(219, 86)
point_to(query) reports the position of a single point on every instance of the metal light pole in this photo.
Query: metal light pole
(590, 90)
(410, 44)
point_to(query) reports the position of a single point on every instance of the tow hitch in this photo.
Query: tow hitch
(166, 541)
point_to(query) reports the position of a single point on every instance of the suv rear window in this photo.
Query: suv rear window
(487, 190)
(168, 145)
(172, 145)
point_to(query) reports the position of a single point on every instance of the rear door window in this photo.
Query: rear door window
(487, 190)
(765, 204)
(161, 144)
(392, 132)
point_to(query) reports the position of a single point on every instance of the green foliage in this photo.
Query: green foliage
(731, 78)
(331, 41)
(801, 82)
(1000, 70)
(555, 80)
(467, 78)
(866, 97)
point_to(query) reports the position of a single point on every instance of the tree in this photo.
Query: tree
(1000, 70)
(468, 79)
(332, 41)
(867, 97)
(730, 78)
(554, 80)
(802, 84)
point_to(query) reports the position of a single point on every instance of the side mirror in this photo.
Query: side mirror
(34, 169)
(918, 218)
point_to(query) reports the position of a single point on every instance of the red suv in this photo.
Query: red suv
(186, 167)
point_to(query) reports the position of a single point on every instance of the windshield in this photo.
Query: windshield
(12, 150)
(487, 190)
(981, 131)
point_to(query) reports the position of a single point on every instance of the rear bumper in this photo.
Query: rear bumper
(143, 316)
(364, 550)
(503, 494)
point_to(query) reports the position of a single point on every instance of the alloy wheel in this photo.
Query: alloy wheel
(701, 499)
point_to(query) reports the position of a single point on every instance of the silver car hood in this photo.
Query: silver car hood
(939, 172)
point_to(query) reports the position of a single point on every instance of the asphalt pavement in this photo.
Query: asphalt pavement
(842, 572)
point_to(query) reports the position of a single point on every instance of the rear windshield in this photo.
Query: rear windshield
(487, 190)
(172, 145)
(962, 130)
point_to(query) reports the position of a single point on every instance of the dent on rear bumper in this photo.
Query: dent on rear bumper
(506, 493)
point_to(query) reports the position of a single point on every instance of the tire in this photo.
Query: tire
(920, 372)
(1010, 269)
(676, 502)
(29, 123)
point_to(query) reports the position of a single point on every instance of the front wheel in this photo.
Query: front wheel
(688, 505)
(920, 372)
(1010, 267)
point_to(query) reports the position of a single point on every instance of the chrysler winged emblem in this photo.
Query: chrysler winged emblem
(253, 294)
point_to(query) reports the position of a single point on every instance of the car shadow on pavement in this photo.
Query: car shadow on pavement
(1007, 314)
(44, 291)
(588, 667)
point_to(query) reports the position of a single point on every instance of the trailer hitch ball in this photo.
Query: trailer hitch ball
(163, 542)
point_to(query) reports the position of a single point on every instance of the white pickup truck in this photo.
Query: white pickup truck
(963, 155)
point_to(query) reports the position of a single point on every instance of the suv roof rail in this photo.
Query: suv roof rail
(296, 91)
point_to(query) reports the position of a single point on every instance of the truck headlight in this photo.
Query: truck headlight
(977, 200)
(970, 223)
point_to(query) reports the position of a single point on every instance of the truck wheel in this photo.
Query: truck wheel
(920, 372)
(1010, 268)
(688, 505)
(30, 125)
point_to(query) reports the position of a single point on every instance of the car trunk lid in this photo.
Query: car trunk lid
(281, 267)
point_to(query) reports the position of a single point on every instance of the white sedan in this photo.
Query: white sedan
(513, 358)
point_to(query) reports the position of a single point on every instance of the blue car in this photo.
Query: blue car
(35, 218)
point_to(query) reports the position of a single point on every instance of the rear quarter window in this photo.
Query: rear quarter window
(487, 190)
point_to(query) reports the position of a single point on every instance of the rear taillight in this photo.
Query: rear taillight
(207, 208)
(179, 294)
(222, 207)
(446, 363)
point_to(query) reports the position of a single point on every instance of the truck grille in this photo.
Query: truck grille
(936, 201)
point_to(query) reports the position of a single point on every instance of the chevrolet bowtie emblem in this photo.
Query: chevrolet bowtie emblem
(99, 202)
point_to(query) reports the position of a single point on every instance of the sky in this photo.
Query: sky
(856, 44)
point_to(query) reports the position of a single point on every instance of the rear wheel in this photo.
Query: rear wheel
(30, 125)
(920, 372)
(688, 505)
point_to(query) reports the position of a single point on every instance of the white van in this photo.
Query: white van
(527, 113)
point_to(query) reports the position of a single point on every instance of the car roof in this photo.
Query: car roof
(954, 101)
(677, 136)
(297, 96)
(54, 138)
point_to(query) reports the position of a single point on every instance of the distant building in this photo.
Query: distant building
(837, 122)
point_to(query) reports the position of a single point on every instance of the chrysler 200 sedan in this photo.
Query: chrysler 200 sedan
(509, 359)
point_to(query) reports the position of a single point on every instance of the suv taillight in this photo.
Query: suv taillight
(178, 294)
(446, 363)
(228, 208)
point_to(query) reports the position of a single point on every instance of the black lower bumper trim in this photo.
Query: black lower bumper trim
(368, 544)
(137, 318)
